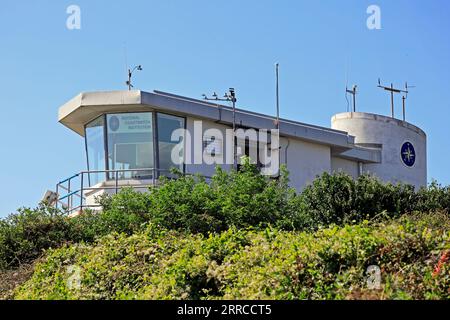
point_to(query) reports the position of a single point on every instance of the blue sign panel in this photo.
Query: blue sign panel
(408, 154)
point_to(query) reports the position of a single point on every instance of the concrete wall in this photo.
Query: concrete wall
(343, 165)
(203, 168)
(305, 161)
(390, 134)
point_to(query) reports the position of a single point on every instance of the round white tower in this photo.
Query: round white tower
(403, 145)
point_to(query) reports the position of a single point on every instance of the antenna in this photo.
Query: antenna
(228, 96)
(393, 90)
(125, 55)
(277, 67)
(404, 97)
(346, 84)
(130, 74)
(353, 93)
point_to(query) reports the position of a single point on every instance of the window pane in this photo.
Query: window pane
(167, 124)
(95, 140)
(130, 144)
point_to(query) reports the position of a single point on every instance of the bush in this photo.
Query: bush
(125, 212)
(24, 236)
(339, 199)
(243, 199)
(248, 264)
(237, 199)
(248, 199)
(435, 197)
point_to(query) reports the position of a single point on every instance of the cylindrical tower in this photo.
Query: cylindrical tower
(403, 145)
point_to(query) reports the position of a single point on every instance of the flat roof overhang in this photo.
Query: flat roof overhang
(87, 106)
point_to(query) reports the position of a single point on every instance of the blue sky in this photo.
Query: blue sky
(200, 46)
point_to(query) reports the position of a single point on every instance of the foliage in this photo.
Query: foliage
(330, 263)
(246, 198)
(24, 235)
(341, 199)
(237, 199)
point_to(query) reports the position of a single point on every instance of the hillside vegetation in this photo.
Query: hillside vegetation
(236, 264)
(241, 236)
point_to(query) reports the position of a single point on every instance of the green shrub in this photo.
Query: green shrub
(340, 199)
(24, 236)
(239, 200)
(434, 197)
(236, 199)
(125, 212)
(248, 264)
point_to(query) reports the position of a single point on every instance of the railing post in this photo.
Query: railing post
(81, 191)
(69, 200)
(117, 181)
(57, 196)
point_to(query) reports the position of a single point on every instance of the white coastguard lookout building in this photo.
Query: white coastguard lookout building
(134, 137)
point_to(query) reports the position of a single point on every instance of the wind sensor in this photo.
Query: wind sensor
(130, 74)
(230, 96)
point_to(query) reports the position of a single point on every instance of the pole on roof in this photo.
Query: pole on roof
(277, 67)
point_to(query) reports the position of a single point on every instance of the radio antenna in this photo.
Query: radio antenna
(353, 93)
(277, 92)
(393, 90)
(346, 85)
(404, 97)
(125, 56)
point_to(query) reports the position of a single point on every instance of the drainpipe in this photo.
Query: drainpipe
(360, 169)
(286, 151)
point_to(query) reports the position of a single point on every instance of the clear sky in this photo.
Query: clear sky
(200, 46)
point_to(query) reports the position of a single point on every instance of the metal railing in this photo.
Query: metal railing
(76, 188)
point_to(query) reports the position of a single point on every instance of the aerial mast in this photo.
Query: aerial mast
(353, 93)
(392, 91)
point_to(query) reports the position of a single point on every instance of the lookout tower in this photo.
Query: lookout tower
(403, 146)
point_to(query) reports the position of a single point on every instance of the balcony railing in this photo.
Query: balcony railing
(76, 189)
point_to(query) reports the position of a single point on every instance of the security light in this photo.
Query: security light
(49, 197)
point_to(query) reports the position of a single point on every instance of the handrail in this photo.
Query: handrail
(68, 195)
(110, 175)
(68, 179)
(122, 170)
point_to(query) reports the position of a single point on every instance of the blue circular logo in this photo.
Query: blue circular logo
(114, 123)
(408, 154)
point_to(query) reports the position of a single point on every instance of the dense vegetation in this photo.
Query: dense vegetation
(235, 217)
(269, 264)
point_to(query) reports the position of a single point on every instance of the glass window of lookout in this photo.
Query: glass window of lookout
(131, 145)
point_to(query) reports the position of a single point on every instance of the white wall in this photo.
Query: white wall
(343, 165)
(305, 161)
(391, 134)
(204, 169)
